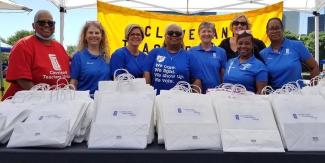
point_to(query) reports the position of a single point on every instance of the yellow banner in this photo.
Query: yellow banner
(116, 18)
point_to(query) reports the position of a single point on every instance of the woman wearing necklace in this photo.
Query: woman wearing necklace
(129, 57)
(246, 69)
(211, 58)
(283, 57)
(240, 23)
(168, 65)
(90, 64)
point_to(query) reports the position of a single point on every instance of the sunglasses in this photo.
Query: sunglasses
(235, 23)
(42, 23)
(177, 33)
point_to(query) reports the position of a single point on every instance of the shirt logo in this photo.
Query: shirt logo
(54, 61)
(214, 55)
(160, 58)
(89, 63)
(246, 66)
(287, 51)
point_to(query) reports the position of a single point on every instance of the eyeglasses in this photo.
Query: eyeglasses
(42, 23)
(136, 34)
(177, 33)
(235, 23)
(244, 31)
(276, 28)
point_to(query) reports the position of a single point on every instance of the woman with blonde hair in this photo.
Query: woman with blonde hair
(170, 64)
(130, 57)
(240, 23)
(90, 64)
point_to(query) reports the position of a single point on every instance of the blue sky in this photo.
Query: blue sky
(74, 20)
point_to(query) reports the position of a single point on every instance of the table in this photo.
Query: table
(79, 153)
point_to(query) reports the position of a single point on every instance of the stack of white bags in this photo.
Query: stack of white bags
(123, 114)
(300, 114)
(46, 118)
(246, 121)
(186, 120)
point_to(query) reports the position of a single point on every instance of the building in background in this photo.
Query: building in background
(291, 21)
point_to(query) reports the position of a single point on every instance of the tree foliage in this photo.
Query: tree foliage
(18, 35)
(71, 49)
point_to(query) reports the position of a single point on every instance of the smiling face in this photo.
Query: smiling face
(245, 46)
(274, 30)
(239, 24)
(174, 36)
(93, 36)
(44, 24)
(135, 37)
(206, 34)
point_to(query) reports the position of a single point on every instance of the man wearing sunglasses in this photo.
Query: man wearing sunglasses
(37, 58)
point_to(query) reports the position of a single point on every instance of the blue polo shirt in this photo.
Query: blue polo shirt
(167, 69)
(89, 69)
(285, 66)
(123, 59)
(246, 73)
(211, 63)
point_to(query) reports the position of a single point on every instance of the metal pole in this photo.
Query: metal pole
(2, 88)
(316, 14)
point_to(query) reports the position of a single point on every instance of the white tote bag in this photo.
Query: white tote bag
(53, 133)
(120, 109)
(187, 121)
(247, 123)
(301, 119)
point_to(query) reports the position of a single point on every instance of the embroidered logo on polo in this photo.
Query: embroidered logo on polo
(160, 58)
(246, 66)
(287, 51)
(214, 55)
(54, 61)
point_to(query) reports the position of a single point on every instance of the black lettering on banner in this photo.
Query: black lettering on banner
(124, 42)
(147, 31)
(216, 35)
(145, 48)
(156, 46)
(224, 32)
(191, 34)
(157, 33)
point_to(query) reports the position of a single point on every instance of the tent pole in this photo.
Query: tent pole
(62, 12)
(2, 88)
(316, 14)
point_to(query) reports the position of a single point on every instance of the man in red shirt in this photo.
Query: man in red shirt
(37, 58)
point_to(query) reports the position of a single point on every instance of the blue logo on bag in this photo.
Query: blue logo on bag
(115, 113)
(295, 116)
(179, 110)
(237, 117)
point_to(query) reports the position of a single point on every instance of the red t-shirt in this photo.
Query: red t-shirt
(33, 60)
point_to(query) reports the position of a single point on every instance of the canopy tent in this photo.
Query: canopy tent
(4, 47)
(196, 6)
(12, 6)
(8, 6)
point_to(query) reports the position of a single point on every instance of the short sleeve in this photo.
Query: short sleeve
(223, 58)
(304, 54)
(195, 68)
(75, 66)
(117, 61)
(150, 60)
(20, 62)
(262, 74)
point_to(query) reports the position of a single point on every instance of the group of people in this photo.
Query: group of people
(241, 59)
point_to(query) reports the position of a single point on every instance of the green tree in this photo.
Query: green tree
(18, 35)
(71, 49)
(291, 35)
